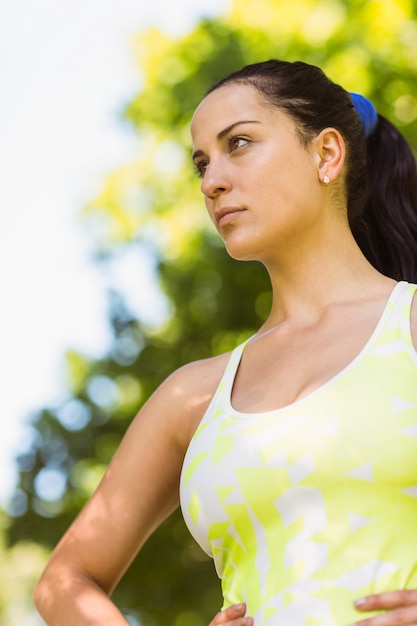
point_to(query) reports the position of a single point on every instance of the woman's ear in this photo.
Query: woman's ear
(331, 153)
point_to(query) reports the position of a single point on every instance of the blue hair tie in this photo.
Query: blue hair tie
(367, 112)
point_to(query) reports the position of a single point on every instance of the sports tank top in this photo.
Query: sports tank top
(308, 507)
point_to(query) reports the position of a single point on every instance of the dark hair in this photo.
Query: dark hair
(381, 172)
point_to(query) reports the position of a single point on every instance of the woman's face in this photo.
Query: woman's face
(260, 183)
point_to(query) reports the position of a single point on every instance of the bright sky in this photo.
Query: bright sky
(65, 73)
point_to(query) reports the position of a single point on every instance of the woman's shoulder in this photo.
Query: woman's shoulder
(199, 379)
(188, 392)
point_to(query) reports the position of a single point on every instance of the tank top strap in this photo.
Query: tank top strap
(226, 383)
(232, 366)
(405, 301)
(394, 328)
(397, 300)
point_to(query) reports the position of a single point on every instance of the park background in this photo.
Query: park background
(110, 273)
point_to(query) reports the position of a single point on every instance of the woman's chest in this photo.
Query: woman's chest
(346, 450)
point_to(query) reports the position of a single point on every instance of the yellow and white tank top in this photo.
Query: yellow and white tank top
(308, 507)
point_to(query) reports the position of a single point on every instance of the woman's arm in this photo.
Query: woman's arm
(138, 491)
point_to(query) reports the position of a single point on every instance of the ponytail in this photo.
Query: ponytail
(386, 230)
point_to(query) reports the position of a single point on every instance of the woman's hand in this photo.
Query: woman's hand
(400, 608)
(234, 615)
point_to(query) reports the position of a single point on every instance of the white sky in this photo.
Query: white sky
(65, 73)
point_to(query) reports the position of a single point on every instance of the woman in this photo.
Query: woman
(300, 478)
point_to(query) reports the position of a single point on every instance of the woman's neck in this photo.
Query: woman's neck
(306, 287)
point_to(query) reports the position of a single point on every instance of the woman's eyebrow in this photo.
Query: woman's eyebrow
(225, 132)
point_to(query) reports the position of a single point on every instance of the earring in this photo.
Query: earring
(326, 179)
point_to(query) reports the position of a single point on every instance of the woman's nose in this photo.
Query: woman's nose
(215, 181)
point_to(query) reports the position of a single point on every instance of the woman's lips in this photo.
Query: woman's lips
(225, 215)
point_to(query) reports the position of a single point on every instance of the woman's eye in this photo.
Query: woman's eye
(200, 168)
(237, 142)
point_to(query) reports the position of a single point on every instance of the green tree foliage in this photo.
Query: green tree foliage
(19, 568)
(214, 302)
